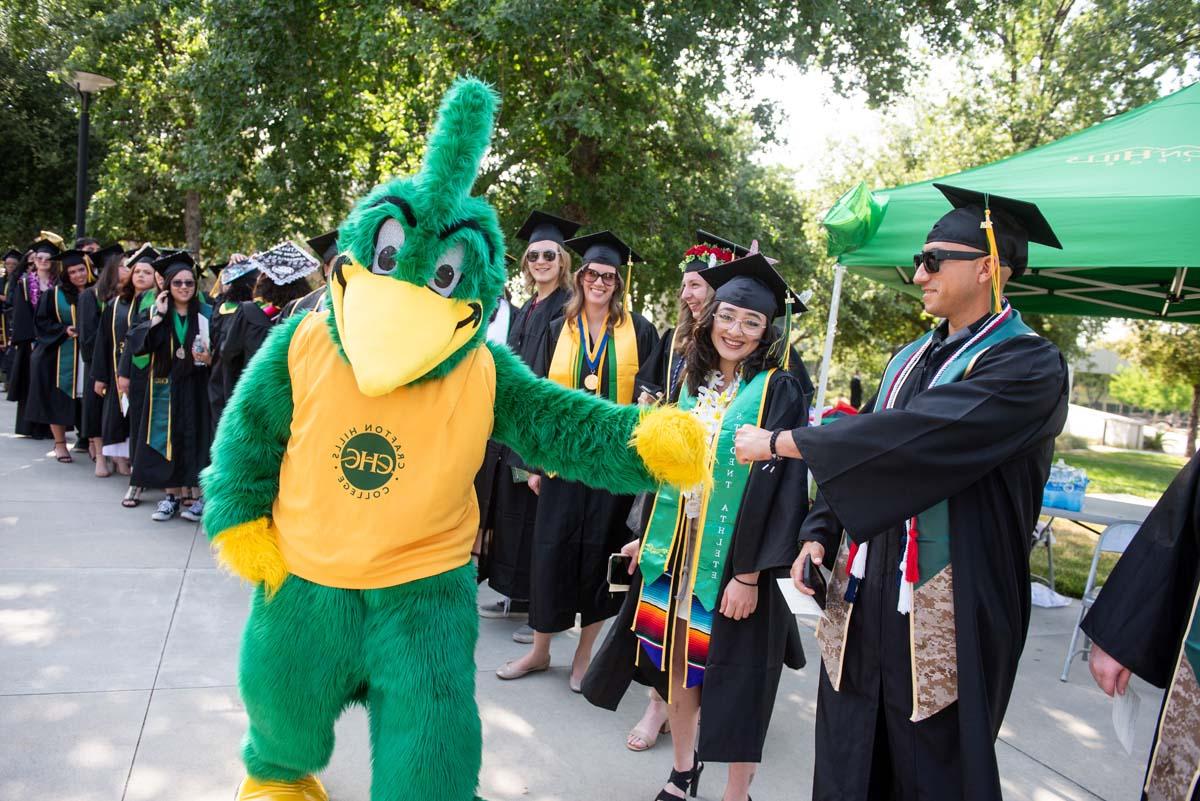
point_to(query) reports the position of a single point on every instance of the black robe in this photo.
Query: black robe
(241, 340)
(485, 478)
(89, 315)
(23, 334)
(505, 553)
(309, 302)
(115, 322)
(1145, 607)
(47, 403)
(191, 431)
(128, 368)
(745, 657)
(218, 326)
(985, 444)
(576, 527)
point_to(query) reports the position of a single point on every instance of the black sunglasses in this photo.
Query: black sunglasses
(184, 283)
(547, 255)
(932, 260)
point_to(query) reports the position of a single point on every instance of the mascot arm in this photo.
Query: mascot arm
(242, 480)
(583, 438)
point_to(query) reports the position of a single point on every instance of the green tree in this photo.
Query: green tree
(1171, 353)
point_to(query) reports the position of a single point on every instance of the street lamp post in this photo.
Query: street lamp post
(86, 84)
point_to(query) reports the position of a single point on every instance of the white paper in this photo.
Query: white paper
(798, 602)
(124, 405)
(1125, 709)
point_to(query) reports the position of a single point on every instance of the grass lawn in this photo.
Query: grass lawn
(1142, 473)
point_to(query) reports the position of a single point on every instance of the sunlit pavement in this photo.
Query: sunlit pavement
(118, 652)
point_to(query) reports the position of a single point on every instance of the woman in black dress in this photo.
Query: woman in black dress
(36, 274)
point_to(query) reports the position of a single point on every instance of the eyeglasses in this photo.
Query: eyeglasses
(591, 276)
(183, 284)
(932, 260)
(750, 327)
(547, 255)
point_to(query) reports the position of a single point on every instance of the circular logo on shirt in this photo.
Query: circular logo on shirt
(367, 460)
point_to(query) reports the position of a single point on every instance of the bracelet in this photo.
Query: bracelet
(745, 583)
(774, 436)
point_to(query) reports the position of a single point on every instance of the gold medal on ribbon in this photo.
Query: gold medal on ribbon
(591, 381)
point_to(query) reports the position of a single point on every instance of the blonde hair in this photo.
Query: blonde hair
(574, 305)
(564, 268)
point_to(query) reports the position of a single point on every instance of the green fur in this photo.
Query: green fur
(242, 480)
(439, 198)
(578, 436)
(407, 652)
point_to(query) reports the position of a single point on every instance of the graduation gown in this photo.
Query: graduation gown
(115, 322)
(240, 341)
(1145, 618)
(313, 301)
(745, 657)
(984, 444)
(485, 479)
(506, 550)
(23, 335)
(135, 369)
(577, 528)
(47, 402)
(90, 313)
(218, 326)
(189, 432)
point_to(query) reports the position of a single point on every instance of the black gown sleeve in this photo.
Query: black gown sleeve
(89, 324)
(50, 332)
(1142, 613)
(652, 376)
(775, 501)
(647, 342)
(946, 439)
(103, 349)
(144, 339)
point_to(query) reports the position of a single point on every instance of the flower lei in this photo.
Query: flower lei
(710, 253)
(712, 401)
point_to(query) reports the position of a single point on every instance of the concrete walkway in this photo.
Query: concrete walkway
(118, 655)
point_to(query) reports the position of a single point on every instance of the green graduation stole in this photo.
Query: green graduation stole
(68, 350)
(926, 583)
(143, 304)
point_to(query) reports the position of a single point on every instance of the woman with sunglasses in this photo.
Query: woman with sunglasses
(173, 430)
(36, 274)
(597, 346)
(704, 622)
(56, 367)
(506, 530)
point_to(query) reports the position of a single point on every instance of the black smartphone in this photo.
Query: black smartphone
(814, 579)
(618, 572)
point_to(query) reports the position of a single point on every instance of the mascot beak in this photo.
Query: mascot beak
(394, 332)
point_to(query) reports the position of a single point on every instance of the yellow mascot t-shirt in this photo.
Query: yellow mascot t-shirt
(375, 492)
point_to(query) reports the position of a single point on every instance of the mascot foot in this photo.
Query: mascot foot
(673, 445)
(307, 789)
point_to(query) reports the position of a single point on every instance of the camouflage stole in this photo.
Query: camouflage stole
(929, 597)
(1174, 770)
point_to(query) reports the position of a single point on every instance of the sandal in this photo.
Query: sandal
(685, 781)
(648, 740)
(64, 459)
(133, 496)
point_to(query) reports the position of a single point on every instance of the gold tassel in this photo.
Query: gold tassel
(995, 254)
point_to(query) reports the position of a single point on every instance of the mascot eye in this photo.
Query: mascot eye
(388, 242)
(448, 272)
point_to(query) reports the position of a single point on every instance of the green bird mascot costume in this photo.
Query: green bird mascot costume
(341, 481)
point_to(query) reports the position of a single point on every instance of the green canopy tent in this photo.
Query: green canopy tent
(1123, 197)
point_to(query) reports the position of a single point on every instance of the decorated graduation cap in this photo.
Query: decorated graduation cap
(169, 265)
(1000, 226)
(752, 283)
(540, 227)
(145, 253)
(242, 272)
(709, 251)
(284, 263)
(325, 245)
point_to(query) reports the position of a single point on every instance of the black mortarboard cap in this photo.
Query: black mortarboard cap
(603, 248)
(12, 253)
(145, 253)
(749, 283)
(101, 256)
(694, 261)
(167, 266)
(1015, 223)
(69, 258)
(46, 246)
(540, 226)
(705, 238)
(325, 245)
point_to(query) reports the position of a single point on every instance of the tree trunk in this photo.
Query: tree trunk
(1195, 417)
(191, 222)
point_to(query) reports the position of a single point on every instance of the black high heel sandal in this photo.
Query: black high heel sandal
(685, 781)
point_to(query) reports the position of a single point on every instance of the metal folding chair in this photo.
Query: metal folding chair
(1043, 534)
(1114, 539)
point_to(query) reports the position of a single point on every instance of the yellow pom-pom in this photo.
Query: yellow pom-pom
(672, 444)
(250, 550)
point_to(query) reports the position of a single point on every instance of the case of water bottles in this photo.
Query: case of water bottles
(1066, 487)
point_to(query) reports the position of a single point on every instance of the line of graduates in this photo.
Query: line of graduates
(125, 349)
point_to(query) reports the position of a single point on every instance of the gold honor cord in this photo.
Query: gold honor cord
(995, 254)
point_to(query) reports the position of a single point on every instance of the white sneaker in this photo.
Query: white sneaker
(194, 512)
(523, 635)
(168, 507)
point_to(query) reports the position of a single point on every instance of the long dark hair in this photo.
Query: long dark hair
(109, 282)
(128, 290)
(701, 356)
(279, 295)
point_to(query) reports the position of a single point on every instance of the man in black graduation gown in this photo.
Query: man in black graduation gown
(1144, 621)
(325, 246)
(937, 491)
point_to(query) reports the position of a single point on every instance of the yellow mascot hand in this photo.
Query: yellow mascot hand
(251, 550)
(673, 445)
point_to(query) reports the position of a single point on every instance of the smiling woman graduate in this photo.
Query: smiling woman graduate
(704, 622)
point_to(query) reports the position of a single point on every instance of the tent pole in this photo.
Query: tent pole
(839, 271)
